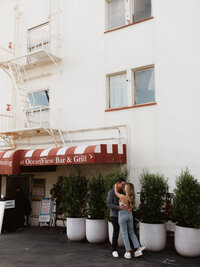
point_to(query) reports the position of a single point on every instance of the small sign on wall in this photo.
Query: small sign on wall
(38, 189)
(45, 210)
(9, 204)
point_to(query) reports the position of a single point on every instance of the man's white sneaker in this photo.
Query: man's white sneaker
(142, 248)
(138, 253)
(115, 254)
(127, 255)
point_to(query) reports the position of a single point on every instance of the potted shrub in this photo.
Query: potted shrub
(73, 203)
(96, 225)
(57, 194)
(186, 214)
(110, 179)
(152, 225)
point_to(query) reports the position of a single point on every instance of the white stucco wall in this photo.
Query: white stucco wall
(164, 137)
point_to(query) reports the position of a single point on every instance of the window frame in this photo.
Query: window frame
(128, 11)
(130, 74)
(108, 86)
(133, 81)
(36, 107)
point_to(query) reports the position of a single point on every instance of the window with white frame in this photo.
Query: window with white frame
(129, 90)
(39, 112)
(117, 90)
(124, 12)
(144, 86)
(39, 98)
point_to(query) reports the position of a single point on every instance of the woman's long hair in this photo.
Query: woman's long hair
(130, 192)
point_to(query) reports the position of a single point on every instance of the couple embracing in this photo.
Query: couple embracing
(121, 201)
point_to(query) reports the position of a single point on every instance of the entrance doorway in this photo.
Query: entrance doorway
(13, 182)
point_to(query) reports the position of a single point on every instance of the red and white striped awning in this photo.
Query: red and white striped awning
(13, 161)
(9, 162)
(85, 154)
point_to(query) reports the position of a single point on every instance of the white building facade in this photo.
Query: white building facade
(93, 72)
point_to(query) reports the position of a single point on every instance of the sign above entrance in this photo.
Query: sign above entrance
(12, 160)
(102, 153)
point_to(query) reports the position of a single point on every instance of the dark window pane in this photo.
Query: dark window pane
(141, 9)
(144, 86)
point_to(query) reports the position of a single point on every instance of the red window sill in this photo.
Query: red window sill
(135, 106)
(128, 25)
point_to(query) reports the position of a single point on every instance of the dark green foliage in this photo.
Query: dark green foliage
(57, 193)
(74, 193)
(186, 201)
(95, 198)
(153, 190)
(110, 179)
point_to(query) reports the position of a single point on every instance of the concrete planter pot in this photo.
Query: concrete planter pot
(153, 236)
(96, 231)
(187, 241)
(110, 234)
(76, 229)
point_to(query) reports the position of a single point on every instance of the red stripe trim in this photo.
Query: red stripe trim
(125, 26)
(129, 107)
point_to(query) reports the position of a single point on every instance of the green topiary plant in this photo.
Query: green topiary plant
(110, 179)
(74, 193)
(186, 201)
(96, 204)
(57, 193)
(153, 189)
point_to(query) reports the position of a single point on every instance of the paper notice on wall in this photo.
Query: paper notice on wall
(45, 210)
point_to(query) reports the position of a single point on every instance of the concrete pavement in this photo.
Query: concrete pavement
(34, 246)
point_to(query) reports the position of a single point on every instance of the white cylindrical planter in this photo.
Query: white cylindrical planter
(153, 236)
(96, 230)
(110, 235)
(187, 241)
(76, 229)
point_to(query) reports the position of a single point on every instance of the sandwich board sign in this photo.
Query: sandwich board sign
(45, 210)
(8, 204)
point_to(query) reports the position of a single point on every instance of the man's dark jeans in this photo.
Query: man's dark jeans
(114, 221)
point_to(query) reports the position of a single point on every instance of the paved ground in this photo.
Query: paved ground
(45, 247)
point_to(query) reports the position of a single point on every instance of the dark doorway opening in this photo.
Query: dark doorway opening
(13, 182)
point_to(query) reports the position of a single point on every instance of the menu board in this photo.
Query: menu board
(45, 210)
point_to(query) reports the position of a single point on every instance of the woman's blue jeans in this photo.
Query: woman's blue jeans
(126, 227)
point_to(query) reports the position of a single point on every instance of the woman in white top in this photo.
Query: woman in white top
(125, 218)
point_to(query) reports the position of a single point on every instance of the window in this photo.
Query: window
(141, 9)
(116, 17)
(131, 88)
(39, 113)
(38, 38)
(124, 12)
(39, 98)
(38, 189)
(144, 83)
(117, 90)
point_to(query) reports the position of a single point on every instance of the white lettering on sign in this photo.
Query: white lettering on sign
(39, 161)
(69, 160)
(8, 163)
(80, 158)
(9, 204)
(60, 161)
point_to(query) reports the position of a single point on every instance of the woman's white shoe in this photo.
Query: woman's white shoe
(127, 255)
(138, 253)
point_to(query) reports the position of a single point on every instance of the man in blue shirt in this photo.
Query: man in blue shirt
(113, 204)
